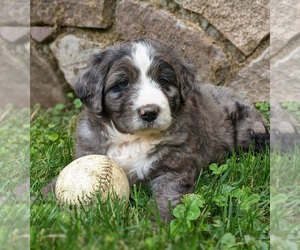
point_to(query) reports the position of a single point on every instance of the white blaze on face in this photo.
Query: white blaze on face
(149, 91)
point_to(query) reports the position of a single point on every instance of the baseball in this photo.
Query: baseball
(84, 178)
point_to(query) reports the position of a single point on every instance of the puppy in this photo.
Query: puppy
(144, 110)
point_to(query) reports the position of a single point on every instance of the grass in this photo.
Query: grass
(14, 171)
(285, 204)
(285, 192)
(229, 209)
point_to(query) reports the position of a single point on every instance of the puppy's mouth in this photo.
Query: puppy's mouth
(144, 128)
(151, 126)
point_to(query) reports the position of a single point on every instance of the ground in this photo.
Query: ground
(229, 209)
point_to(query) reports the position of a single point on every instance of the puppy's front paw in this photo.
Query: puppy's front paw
(168, 189)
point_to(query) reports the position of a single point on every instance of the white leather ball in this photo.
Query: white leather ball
(84, 178)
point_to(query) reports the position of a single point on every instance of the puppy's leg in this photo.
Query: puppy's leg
(250, 128)
(169, 188)
(284, 131)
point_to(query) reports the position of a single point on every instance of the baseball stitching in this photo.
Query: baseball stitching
(103, 186)
(105, 180)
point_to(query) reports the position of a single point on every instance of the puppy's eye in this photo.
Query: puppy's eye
(123, 84)
(120, 86)
(163, 81)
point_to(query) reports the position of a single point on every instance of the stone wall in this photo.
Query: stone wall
(228, 41)
(14, 54)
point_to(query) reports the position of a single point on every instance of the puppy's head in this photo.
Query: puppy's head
(140, 85)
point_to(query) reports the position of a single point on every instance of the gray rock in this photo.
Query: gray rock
(195, 45)
(73, 52)
(86, 13)
(41, 34)
(254, 80)
(285, 19)
(46, 86)
(15, 12)
(14, 34)
(285, 78)
(15, 79)
(245, 23)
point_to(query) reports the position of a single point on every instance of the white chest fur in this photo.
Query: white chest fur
(132, 152)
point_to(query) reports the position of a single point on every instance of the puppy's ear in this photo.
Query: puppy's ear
(187, 79)
(89, 84)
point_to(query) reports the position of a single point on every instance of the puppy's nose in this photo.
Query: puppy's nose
(149, 112)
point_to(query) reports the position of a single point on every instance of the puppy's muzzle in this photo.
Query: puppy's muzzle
(149, 112)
